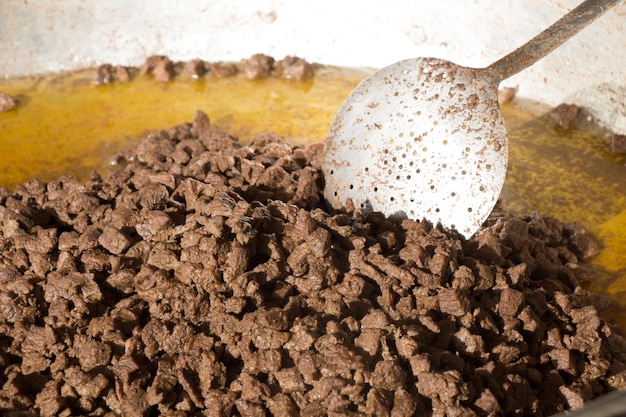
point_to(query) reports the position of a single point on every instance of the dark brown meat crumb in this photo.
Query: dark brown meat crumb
(150, 64)
(194, 69)
(7, 102)
(122, 73)
(292, 67)
(223, 69)
(104, 74)
(257, 66)
(161, 68)
(564, 114)
(618, 143)
(506, 94)
(207, 278)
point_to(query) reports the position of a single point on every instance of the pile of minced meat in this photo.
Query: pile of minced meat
(206, 277)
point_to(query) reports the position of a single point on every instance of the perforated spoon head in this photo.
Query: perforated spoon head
(422, 138)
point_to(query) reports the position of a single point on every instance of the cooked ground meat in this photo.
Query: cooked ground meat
(104, 74)
(163, 69)
(223, 69)
(564, 114)
(257, 66)
(160, 67)
(618, 143)
(150, 64)
(506, 94)
(7, 102)
(292, 67)
(206, 277)
(194, 69)
(122, 73)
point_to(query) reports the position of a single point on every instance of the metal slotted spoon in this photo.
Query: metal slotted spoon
(425, 138)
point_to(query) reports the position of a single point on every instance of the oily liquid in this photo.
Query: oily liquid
(67, 125)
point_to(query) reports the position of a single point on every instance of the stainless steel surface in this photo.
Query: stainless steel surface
(590, 70)
(609, 405)
(551, 38)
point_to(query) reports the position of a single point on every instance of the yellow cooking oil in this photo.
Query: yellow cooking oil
(65, 124)
(571, 174)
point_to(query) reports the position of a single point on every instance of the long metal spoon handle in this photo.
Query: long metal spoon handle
(550, 39)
